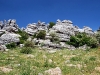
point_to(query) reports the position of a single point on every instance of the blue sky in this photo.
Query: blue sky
(80, 12)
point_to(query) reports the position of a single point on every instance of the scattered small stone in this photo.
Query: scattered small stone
(21, 45)
(97, 69)
(54, 71)
(79, 66)
(17, 65)
(52, 51)
(30, 56)
(5, 70)
(44, 56)
(50, 61)
(40, 74)
(67, 61)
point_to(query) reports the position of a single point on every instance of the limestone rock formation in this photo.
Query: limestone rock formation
(62, 31)
(9, 38)
(35, 27)
(9, 25)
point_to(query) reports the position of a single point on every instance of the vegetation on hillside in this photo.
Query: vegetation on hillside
(40, 35)
(24, 36)
(81, 39)
(77, 62)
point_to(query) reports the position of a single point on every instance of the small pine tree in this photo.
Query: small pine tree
(51, 24)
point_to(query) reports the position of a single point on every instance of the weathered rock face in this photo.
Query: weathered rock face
(35, 27)
(88, 30)
(9, 37)
(64, 29)
(9, 25)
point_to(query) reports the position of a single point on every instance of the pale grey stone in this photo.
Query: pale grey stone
(54, 71)
(9, 38)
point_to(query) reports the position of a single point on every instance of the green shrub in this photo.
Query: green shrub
(51, 24)
(24, 36)
(81, 39)
(11, 45)
(26, 50)
(98, 36)
(93, 43)
(29, 44)
(74, 41)
(54, 37)
(41, 34)
(34, 36)
(92, 58)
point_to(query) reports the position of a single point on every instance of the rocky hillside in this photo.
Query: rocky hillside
(54, 37)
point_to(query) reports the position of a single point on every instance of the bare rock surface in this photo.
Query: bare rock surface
(9, 38)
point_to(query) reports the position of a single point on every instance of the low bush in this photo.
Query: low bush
(11, 45)
(29, 44)
(26, 50)
(24, 36)
(81, 39)
(98, 36)
(41, 34)
(93, 42)
(92, 58)
(54, 37)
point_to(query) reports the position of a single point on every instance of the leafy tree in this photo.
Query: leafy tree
(51, 24)
(24, 36)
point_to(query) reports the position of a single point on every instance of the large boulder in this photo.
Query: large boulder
(9, 37)
(31, 29)
(88, 30)
(64, 29)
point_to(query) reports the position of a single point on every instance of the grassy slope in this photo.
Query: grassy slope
(77, 62)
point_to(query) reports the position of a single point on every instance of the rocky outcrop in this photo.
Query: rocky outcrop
(62, 31)
(35, 27)
(65, 29)
(10, 25)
